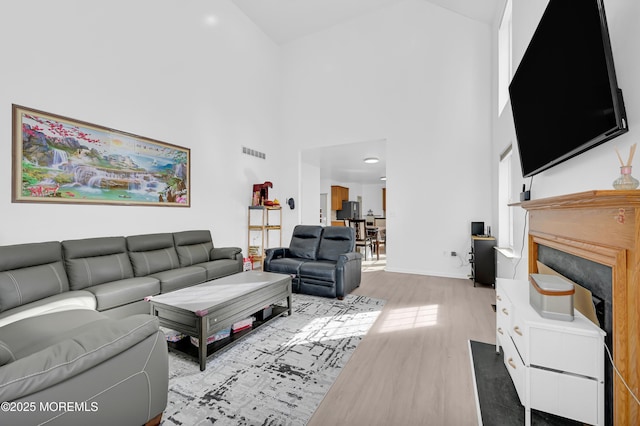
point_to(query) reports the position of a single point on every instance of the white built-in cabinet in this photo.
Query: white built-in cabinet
(556, 366)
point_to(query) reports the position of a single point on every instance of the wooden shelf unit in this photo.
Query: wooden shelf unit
(261, 227)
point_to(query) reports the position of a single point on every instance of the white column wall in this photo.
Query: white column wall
(416, 75)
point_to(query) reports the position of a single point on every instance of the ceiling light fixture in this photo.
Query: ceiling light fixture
(371, 160)
(211, 20)
(383, 178)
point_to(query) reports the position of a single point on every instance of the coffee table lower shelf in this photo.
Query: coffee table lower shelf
(185, 347)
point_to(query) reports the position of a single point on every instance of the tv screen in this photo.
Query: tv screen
(564, 95)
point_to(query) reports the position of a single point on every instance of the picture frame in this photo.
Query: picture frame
(58, 159)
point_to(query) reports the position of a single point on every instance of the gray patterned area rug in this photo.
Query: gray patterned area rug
(277, 375)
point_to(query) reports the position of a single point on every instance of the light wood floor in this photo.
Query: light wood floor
(413, 366)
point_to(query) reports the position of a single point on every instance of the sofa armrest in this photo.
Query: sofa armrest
(350, 257)
(71, 357)
(348, 273)
(225, 253)
(276, 253)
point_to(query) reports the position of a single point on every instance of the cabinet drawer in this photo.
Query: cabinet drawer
(518, 331)
(503, 310)
(514, 366)
(564, 395)
(501, 334)
(502, 324)
(503, 316)
(564, 351)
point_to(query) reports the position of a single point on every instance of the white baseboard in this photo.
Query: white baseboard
(429, 273)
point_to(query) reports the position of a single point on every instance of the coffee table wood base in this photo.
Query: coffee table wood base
(174, 309)
(185, 347)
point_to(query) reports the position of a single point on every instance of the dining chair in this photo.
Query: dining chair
(362, 237)
(380, 223)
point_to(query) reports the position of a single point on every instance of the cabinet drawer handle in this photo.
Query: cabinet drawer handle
(517, 330)
(511, 363)
(498, 297)
(500, 330)
(504, 311)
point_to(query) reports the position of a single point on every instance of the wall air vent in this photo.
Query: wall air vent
(254, 153)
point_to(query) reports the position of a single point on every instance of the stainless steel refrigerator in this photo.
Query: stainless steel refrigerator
(350, 210)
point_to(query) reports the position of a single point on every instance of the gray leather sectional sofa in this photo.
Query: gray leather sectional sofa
(77, 343)
(321, 260)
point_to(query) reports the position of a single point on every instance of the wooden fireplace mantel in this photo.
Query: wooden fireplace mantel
(604, 227)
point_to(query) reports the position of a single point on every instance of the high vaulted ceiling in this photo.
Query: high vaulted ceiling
(286, 20)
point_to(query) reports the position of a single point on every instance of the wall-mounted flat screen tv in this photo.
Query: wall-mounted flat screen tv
(564, 95)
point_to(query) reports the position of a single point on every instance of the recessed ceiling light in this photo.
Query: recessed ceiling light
(211, 20)
(383, 178)
(371, 160)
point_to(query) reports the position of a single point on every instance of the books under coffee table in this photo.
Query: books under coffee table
(203, 310)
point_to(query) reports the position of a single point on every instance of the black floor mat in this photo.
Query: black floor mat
(499, 403)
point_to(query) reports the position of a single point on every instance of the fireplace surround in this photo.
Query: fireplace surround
(602, 227)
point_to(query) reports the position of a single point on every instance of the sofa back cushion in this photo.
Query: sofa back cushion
(152, 253)
(30, 272)
(93, 261)
(193, 247)
(336, 240)
(305, 241)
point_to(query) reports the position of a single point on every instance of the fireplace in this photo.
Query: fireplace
(596, 278)
(599, 229)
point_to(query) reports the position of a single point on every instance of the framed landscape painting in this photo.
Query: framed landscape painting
(61, 160)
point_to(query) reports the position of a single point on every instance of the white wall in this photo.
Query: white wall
(310, 196)
(416, 75)
(157, 69)
(372, 199)
(598, 167)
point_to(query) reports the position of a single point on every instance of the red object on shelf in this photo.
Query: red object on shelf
(242, 325)
(247, 263)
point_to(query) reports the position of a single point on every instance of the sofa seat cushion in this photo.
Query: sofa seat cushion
(30, 335)
(318, 271)
(286, 265)
(118, 293)
(175, 279)
(221, 268)
(66, 301)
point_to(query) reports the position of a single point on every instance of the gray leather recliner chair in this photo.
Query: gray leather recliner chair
(321, 260)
